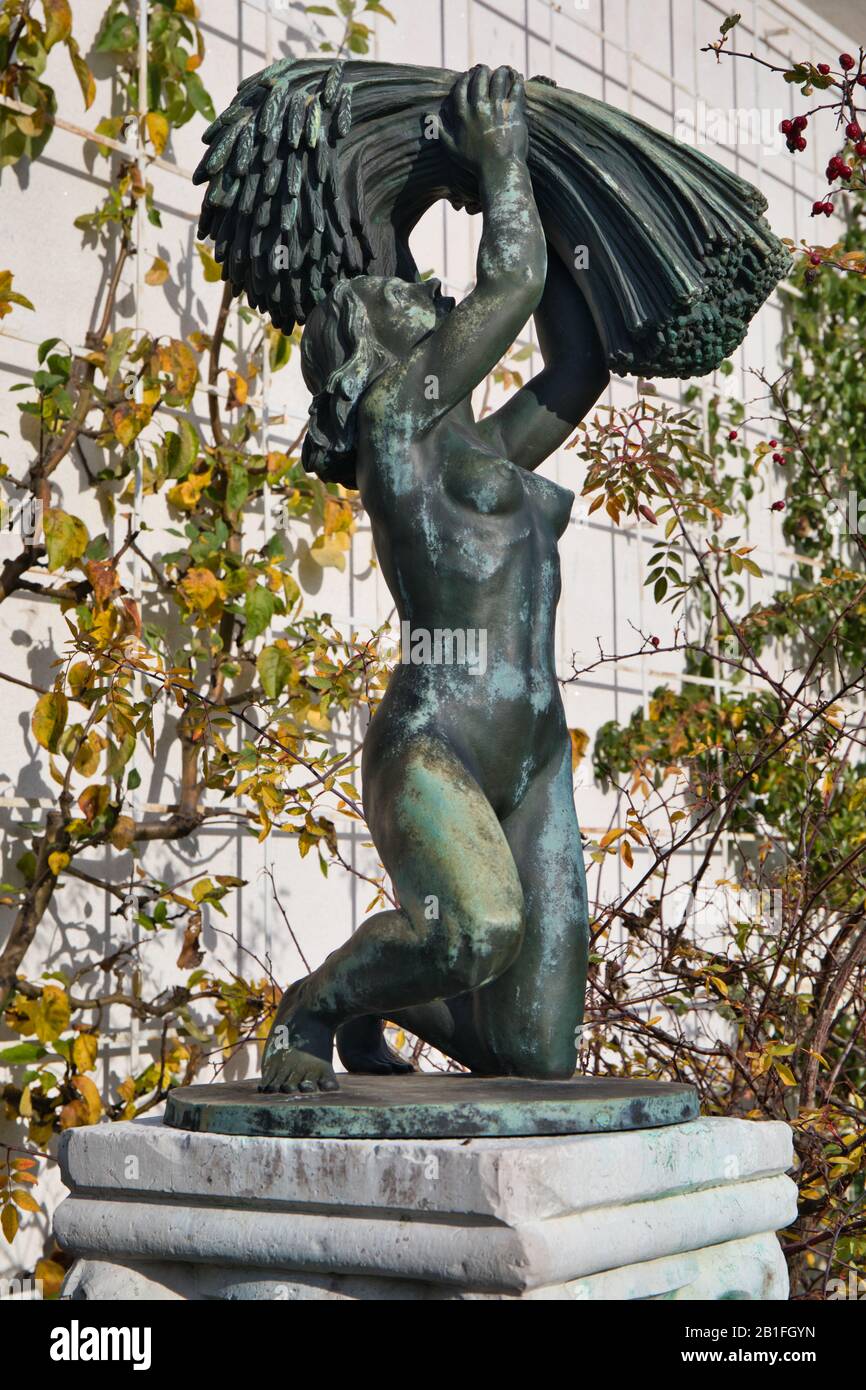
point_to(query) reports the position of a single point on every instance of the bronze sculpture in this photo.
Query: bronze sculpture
(467, 773)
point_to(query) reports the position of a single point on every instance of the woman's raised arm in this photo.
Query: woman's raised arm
(541, 416)
(488, 137)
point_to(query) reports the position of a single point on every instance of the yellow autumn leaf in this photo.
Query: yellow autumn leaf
(58, 21)
(93, 801)
(202, 590)
(212, 269)
(239, 390)
(87, 757)
(57, 862)
(331, 550)
(579, 742)
(79, 676)
(25, 1200)
(84, 1051)
(51, 1275)
(51, 1016)
(317, 720)
(8, 296)
(157, 130)
(90, 1095)
(9, 1220)
(49, 719)
(158, 273)
(122, 832)
(186, 495)
(66, 538)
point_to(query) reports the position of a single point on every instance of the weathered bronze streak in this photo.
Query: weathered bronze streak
(317, 175)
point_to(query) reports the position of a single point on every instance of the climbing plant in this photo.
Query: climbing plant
(181, 614)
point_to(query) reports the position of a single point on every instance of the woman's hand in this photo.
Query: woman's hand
(487, 114)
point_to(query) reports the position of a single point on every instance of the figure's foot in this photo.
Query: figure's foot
(299, 1048)
(362, 1048)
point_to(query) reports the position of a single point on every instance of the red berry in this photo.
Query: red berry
(801, 143)
(817, 208)
(816, 259)
(853, 130)
(656, 641)
(846, 62)
(824, 68)
(780, 459)
(800, 122)
(846, 171)
(862, 79)
(786, 127)
(860, 149)
(828, 209)
(777, 507)
(732, 434)
(773, 443)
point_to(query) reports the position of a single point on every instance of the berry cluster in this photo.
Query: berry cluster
(838, 170)
(793, 132)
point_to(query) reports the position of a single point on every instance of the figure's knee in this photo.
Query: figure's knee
(473, 928)
(478, 940)
(488, 943)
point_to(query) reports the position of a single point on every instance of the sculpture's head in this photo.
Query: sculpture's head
(350, 337)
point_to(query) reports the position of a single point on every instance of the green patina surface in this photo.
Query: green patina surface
(317, 174)
(434, 1107)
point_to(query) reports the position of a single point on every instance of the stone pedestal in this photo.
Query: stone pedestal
(687, 1211)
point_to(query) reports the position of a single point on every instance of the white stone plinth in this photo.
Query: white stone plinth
(685, 1212)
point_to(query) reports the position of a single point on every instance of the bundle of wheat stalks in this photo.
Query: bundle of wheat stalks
(318, 171)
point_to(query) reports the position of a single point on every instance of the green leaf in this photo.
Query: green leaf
(198, 95)
(730, 23)
(258, 611)
(23, 1052)
(66, 538)
(116, 352)
(118, 34)
(274, 668)
(238, 487)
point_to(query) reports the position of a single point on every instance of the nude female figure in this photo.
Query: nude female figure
(466, 773)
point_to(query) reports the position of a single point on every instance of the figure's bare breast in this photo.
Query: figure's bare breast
(467, 542)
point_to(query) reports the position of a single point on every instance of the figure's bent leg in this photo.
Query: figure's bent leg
(459, 924)
(530, 1015)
